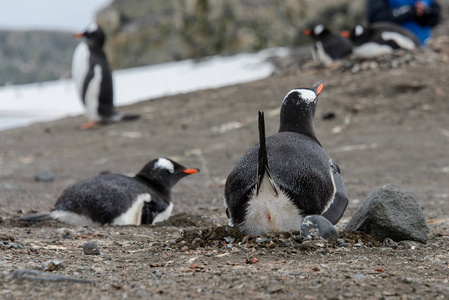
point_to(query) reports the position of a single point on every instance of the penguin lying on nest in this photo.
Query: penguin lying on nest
(284, 181)
(93, 79)
(380, 38)
(328, 47)
(118, 199)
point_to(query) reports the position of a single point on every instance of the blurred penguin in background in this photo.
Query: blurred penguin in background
(417, 16)
(93, 79)
(328, 47)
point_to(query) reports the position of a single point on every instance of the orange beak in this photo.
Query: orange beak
(78, 35)
(191, 171)
(345, 34)
(307, 32)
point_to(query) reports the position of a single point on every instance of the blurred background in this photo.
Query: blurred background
(36, 42)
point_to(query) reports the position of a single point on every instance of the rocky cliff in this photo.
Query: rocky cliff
(149, 32)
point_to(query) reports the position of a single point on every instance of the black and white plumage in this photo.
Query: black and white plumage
(328, 47)
(286, 176)
(118, 199)
(380, 38)
(93, 78)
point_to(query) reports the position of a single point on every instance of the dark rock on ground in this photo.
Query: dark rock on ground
(391, 212)
(45, 176)
(91, 248)
(319, 226)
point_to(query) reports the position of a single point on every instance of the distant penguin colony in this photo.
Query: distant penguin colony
(286, 176)
(93, 79)
(380, 38)
(118, 199)
(328, 46)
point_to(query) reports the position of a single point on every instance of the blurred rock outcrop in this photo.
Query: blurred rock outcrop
(144, 32)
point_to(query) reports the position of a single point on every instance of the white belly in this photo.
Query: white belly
(92, 95)
(73, 218)
(369, 50)
(267, 212)
(133, 216)
(80, 66)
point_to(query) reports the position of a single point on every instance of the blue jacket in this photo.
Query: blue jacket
(403, 12)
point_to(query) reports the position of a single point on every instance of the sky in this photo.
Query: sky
(59, 15)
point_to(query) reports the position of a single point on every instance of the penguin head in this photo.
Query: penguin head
(318, 32)
(164, 171)
(298, 109)
(93, 35)
(355, 34)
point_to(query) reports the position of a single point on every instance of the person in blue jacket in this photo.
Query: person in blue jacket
(417, 16)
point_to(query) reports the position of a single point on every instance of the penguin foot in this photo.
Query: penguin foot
(88, 125)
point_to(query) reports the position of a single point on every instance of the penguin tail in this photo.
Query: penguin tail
(263, 167)
(43, 216)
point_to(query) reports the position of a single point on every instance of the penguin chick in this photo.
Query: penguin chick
(118, 199)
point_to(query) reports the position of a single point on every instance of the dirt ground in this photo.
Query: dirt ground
(390, 126)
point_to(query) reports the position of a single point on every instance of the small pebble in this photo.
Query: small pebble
(44, 176)
(346, 245)
(262, 240)
(91, 248)
(16, 246)
(229, 240)
(52, 265)
(340, 241)
(389, 243)
(328, 115)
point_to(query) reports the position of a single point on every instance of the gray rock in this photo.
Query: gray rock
(261, 240)
(389, 243)
(42, 276)
(229, 240)
(391, 212)
(91, 248)
(45, 176)
(319, 226)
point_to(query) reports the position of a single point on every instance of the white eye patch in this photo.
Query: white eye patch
(307, 95)
(318, 29)
(163, 163)
(359, 30)
(92, 27)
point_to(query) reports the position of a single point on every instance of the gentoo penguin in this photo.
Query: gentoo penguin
(93, 79)
(380, 38)
(286, 176)
(328, 46)
(118, 199)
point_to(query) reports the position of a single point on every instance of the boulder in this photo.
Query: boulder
(391, 212)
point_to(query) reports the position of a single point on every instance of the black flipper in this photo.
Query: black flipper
(338, 206)
(263, 158)
(43, 216)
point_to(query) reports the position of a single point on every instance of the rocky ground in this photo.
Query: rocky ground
(390, 125)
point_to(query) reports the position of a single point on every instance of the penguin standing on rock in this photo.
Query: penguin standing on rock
(328, 46)
(380, 38)
(93, 79)
(118, 199)
(286, 176)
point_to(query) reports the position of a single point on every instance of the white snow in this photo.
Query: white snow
(22, 105)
